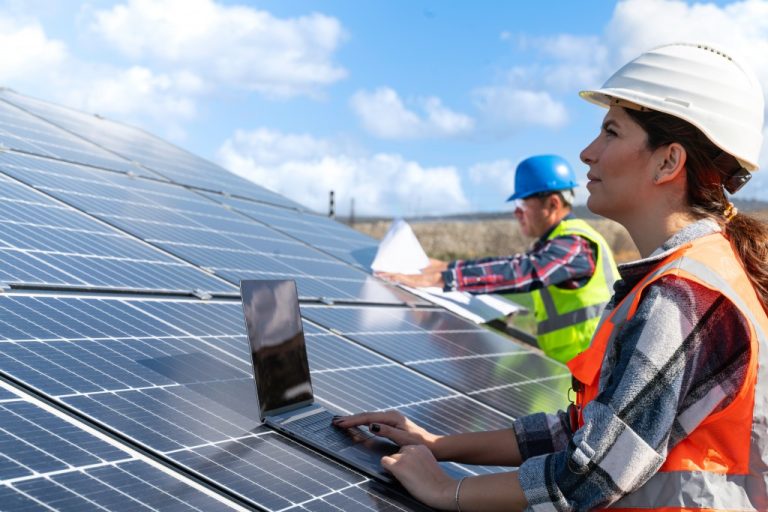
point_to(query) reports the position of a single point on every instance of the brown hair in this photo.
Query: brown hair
(707, 167)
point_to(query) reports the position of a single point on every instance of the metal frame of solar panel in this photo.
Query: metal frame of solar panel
(125, 378)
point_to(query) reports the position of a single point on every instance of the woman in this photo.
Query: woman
(672, 394)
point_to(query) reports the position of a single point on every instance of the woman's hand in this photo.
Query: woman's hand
(390, 424)
(417, 469)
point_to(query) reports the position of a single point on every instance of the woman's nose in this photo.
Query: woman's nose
(587, 154)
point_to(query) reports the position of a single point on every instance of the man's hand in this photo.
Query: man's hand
(431, 275)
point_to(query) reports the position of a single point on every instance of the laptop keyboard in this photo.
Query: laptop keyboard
(318, 428)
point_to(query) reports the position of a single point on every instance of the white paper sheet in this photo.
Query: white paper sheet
(400, 251)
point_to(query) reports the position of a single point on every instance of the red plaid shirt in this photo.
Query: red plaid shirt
(566, 261)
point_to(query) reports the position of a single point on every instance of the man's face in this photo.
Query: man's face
(534, 215)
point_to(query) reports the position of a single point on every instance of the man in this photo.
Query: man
(569, 269)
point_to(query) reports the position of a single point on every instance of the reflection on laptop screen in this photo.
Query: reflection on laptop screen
(276, 336)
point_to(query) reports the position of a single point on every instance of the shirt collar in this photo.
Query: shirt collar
(632, 271)
(545, 236)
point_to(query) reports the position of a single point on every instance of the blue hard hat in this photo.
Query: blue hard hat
(542, 173)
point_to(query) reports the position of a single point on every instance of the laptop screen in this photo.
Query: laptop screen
(276, 337)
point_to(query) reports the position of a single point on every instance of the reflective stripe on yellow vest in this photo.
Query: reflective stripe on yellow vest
(567, 318)
(723, 463)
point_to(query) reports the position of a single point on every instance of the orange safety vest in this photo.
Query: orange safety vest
(723, 463)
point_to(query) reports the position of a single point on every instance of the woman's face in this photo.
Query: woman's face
(620, 167)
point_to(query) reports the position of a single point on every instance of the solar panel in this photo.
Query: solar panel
(185, 393)
(45, 242)
(24, 132)
(48, 458)
(321, 232)
(199, 230)
(467, 358)
(125, 377)
(155, 156)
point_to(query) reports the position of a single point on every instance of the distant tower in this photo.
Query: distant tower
(331, 207)
(352, 211)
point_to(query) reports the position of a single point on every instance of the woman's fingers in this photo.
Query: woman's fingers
(392, 418)
(388, 461)
(395, 434)
(390, 424)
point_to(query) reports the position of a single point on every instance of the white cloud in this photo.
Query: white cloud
(568, 63)
(305, 169)
(572, 62)
(135, 95)
(498, 176)
(233, 46)
(27, 49)
(383, 114)
(508, 109)
(45, 67)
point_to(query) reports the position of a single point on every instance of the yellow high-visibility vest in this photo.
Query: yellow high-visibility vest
(566, 318)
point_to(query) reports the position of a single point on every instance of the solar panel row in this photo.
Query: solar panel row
(121, 389)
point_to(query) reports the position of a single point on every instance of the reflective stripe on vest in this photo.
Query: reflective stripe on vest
(681, 483)
(563, 332)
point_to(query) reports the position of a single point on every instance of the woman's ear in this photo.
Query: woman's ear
(671, 163)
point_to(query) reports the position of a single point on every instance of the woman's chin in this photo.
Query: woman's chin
(593, 205)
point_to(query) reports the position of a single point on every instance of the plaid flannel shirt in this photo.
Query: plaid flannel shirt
(566, 261)
(684, 342)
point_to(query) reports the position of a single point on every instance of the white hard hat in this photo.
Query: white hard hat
(699, 84)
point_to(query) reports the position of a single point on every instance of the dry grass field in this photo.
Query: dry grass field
(452, 240)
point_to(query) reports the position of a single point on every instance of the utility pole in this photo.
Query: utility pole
(331, 207)
(352, 212)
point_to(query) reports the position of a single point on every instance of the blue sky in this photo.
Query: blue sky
(409, 108)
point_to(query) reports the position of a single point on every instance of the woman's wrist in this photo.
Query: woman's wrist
(457, 494)
(436, 445)
(446, 498)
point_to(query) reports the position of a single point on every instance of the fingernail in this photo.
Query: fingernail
(375, 427)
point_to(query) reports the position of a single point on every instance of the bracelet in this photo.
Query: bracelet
(458, 488)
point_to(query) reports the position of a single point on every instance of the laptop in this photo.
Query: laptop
(283, 384)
